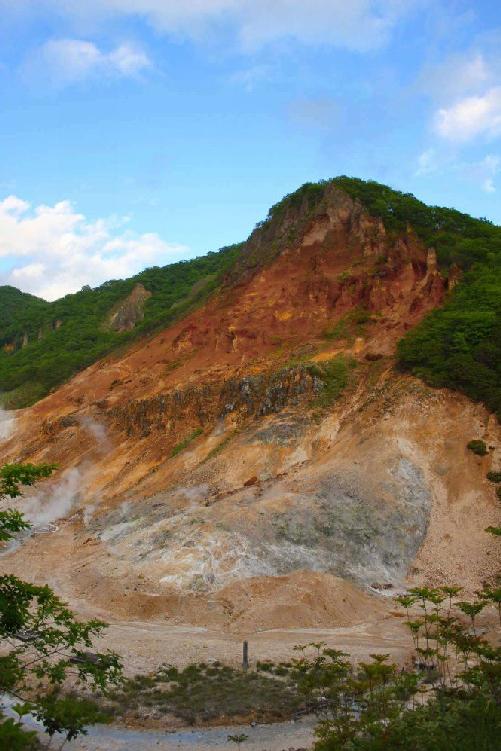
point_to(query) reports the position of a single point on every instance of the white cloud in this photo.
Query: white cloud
(128, 60)
(68, 61)
(52, 250)
(359, 24)
(470, 117)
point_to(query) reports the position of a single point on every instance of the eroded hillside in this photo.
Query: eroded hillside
(261, 463)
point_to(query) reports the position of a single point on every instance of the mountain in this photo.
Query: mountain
(270, 458)
(43, 344)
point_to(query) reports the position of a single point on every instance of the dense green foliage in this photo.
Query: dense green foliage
(42, 644)
(309, 194)
(465, 723)
(459, 345)
(458, 238)
(18, 312)
(71, 333)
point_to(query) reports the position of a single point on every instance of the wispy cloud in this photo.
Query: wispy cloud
(53, 250)
(470, 117)
(466, 91)
(358, 25)
(70, 61)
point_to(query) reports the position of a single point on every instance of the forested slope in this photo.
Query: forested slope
(43, 344)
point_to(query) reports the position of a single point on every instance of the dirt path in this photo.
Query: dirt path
(146, 645)
(275, 737)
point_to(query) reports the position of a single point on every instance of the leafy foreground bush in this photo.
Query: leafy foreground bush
(450, 700)
(42, 646)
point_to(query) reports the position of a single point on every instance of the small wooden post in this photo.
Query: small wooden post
(245, 659)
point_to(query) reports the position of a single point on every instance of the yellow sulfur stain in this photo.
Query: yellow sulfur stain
(284, 315)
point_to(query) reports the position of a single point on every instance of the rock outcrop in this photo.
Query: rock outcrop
(126, 314)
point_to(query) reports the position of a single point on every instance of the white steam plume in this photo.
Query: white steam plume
(97, 430)
(7, 424)
(53, 501)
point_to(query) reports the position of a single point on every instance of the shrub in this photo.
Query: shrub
(376, 706)
(334, 375)
(41, 642)
(478, 447)
(206, 692)
(15, 738)
(349, 326)
(494, 476)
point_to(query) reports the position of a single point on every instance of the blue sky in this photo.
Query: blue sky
(138, 132)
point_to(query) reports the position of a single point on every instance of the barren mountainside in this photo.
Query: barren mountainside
(265, 459)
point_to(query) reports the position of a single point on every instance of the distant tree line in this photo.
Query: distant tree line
(65, 336)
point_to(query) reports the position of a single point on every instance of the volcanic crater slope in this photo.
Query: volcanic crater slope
(260, 462)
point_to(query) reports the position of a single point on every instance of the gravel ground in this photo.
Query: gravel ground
(277, 737)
